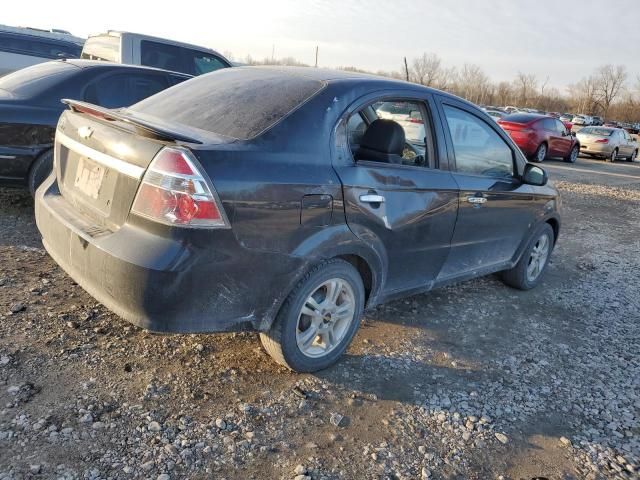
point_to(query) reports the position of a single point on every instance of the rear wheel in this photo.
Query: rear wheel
(319, 318)
(541, 153)
(529, 270)
(573, 155)
(614, 155)
(40, 170)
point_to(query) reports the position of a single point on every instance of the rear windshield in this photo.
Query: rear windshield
(603, 132)
(239, 103)
(521, 117)
(31, 81)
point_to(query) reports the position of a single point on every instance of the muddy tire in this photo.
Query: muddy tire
(530, 269)
(40, 170)
(318, 319)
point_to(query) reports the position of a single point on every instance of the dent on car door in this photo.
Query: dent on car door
(496, 209)
(399, 201)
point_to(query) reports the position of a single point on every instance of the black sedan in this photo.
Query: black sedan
(30, 107)
(280, 200)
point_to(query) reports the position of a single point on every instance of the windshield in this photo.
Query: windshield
(31, 81)
(239, 103)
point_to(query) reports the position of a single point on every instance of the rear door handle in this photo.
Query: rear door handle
(476, 200)
(371, 198)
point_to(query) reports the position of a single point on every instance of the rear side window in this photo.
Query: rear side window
(479, 150)
(178, 59)
(38, 47)
(121, 90)
(102, 47)
(239, 103)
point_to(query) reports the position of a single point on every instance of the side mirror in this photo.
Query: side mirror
(534, 175)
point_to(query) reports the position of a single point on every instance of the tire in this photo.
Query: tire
(633, 156)
(520, 276)
(292, 326)
(541, 153)
(573, 155)
(614, 155)
(40, 170)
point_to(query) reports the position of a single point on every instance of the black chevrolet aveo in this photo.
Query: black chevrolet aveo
(287, 201)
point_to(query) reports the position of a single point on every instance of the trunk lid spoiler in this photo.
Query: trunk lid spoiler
(138, 123)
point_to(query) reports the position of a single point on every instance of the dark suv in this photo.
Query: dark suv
(277, 200)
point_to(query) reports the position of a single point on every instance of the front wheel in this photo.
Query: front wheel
(318, 319)
(633, 156)
(529, 270)
(573, 155)
(541, 153)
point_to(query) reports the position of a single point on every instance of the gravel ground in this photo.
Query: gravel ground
(474, 381)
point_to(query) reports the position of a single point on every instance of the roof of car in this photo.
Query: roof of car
(49, 35)
(82, 63)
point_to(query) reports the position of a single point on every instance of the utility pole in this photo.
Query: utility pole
(316, 56)
(273, 52)
(406, 68)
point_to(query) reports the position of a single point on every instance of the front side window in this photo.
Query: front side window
(392, 131)
(479, 150)
(179, 59)
(560, 128)
(200, 62)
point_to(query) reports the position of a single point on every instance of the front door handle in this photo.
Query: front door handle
(476, 200)
(371, 198)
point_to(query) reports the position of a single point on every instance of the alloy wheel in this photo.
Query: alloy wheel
(325, 318)
(538, 258)
(574, 155)
(542, 153)
(614, 156)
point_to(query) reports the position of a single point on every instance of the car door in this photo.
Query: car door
(495, 208)
(552, 135)
(405, 210)
(564, 139)
(626, 146)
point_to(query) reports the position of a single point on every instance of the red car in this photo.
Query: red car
(540, 137)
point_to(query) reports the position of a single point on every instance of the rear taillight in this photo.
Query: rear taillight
(415, 120)
(173, 191)
(602, 140)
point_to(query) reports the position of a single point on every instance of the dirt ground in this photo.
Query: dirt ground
(474, 381)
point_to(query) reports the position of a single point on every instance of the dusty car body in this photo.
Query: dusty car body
(238, 200)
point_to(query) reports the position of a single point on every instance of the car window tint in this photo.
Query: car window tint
(407, 114)
(549, 124)
(237, 103)
(478, 148)
(38, 47)
(560, 127)
(120, 90)
(162, 55)
(200, 62)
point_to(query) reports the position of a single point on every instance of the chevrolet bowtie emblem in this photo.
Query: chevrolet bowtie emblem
(85, 132)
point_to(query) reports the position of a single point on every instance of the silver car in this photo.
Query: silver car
(607, 142)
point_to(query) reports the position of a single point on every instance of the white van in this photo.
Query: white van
(138, 49)
(22, 47)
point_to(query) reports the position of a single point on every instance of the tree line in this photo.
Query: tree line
(607, 92)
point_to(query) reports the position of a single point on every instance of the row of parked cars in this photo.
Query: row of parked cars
(205, 203)
(541, 135)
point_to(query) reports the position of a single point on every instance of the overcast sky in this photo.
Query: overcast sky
(564, 40)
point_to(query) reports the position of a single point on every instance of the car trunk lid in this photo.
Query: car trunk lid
(101, 157)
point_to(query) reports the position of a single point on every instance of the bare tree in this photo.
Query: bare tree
(584, 95)
(526, 86)
(426, 70)
(610, 81)
(504, 94)
(473, 84)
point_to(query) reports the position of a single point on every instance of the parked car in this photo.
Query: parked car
(410, 120)
(567, 118)
(541, 137)
(495, 114)
(30, 107)
(596, 121)
(23, 47)
(139, 49)
(580, 121)
(214, 207)
(608, 143)
(631, 128)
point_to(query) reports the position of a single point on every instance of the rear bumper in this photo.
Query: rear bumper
(601, 149)
(207, 283)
